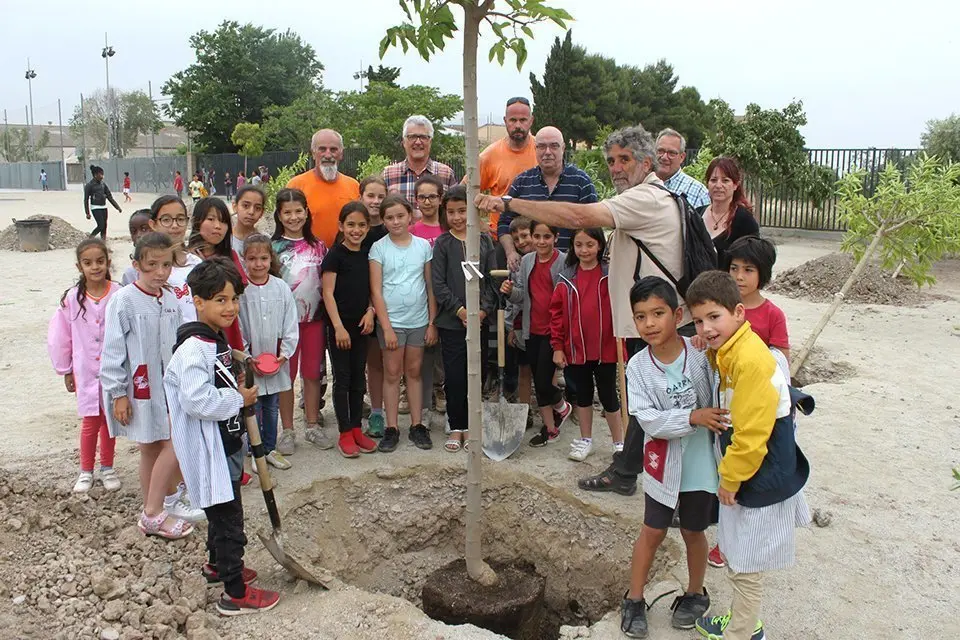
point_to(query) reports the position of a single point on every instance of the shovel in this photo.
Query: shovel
(504, 423)
(273, 542)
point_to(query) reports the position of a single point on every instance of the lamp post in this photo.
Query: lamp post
(107, 53)
(29, 76)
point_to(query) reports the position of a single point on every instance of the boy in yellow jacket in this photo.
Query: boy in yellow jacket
(762, 470)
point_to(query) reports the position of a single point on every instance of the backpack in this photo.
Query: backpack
(698, 251)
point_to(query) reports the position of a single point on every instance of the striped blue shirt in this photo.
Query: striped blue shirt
(574, 185)
(681, 183)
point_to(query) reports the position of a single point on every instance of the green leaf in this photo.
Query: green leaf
(527, 30)
(384, 45)
(520, 48)
(406, 10)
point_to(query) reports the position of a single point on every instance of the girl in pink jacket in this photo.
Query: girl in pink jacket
(74, 342)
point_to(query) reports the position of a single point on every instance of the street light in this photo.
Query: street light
(29, 76)
(106, 53)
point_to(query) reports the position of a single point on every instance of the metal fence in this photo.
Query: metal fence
(786, 208)
(26, 175)
(147, 175)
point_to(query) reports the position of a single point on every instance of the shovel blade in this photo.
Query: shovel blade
(504, 424)
(297, 569)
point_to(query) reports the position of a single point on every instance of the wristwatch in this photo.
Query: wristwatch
(506, 203)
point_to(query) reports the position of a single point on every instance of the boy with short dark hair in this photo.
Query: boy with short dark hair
(762, 470)
(205, 400)
(669, 387)
(518, 382)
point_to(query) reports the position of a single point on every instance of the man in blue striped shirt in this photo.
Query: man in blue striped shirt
(671, 153)
(551, 179)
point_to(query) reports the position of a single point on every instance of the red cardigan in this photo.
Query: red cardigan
(569, 330)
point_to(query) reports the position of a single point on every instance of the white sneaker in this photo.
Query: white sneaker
(276, 459)
(318, 438)
(181, 508)
(110, 479)
(618, 447)
(580, 449)
(84, 482)
(287, 442)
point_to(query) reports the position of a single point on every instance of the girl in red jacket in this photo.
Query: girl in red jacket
(581, 334)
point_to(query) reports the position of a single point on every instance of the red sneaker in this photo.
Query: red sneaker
(364, 444)
(249, 575)
(245, 479)
(714, 559)
(254, 601)
(347, 445)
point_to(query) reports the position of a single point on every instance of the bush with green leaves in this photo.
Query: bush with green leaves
(942, 138)
(372, 166)
(280, 181)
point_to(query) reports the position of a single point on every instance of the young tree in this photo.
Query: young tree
(911, 219)
(240, 71)
(249, 139)
(15, 145)
(429, 24)
(942, 138)
(133, 114)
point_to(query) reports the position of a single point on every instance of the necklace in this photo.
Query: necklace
(718, 221)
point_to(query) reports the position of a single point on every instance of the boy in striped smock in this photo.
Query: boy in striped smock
(205, 402)
(762, 470)
(670, 394)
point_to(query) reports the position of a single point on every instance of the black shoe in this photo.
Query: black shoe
(420, 437)
(633, 618)
(391, 438)
(608, 481)
(541, 439)
(688, 608)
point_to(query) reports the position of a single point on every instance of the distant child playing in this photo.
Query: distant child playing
(141, 327)
(248, 207)
(402, 294)
(532, 288)
(762, 470)
(346, 295)
(669, 386)
(372, 192)
(75, 345)
(126, 186)
(205, 401)
(449, 287)
(139, 224)
(581, 335)
(269, 319)
(301, 255)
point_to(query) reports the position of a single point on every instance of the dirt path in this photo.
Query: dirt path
(881, 444)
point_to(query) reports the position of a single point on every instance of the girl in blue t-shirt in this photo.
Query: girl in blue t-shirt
(402, 295)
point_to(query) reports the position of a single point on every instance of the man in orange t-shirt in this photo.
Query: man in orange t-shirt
(327, 189)
(508, 157)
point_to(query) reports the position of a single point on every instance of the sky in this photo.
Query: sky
(869, 73)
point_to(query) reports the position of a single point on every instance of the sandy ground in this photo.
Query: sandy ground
(881, 445)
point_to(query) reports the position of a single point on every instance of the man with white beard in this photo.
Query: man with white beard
(327, 189)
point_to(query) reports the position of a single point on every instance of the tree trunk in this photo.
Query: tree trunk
(798, 361)
(477, 569)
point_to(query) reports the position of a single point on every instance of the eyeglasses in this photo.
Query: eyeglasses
(673, 153)
(168, 221)
(427, 197)
(417, 137)
(552, 146)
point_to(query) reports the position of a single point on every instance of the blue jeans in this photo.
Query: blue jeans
(268, 408)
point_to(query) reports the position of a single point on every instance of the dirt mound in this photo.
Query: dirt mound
(818, 280)
(62, 234)
(75, 566)
(820, 367)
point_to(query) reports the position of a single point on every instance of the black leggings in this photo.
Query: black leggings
(100, 217)
(583, 376)
(226, 541)
(453, 350)
(540, 356)
(349, 379)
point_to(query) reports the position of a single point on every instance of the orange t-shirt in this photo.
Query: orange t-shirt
(500, 164)
(325, 199)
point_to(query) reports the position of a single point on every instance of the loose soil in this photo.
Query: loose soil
(62, 234)
(819, 279)
(821, 367)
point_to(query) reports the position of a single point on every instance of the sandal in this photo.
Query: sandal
(607, 481)
(453, 445)
(154, 526)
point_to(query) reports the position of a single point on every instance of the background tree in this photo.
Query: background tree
(912, 220)
(429, 24)
(15, 145)
(384, 75)
(650, 96)
(239, 72)
(134, 114)
(249, 139)
(942, 138)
